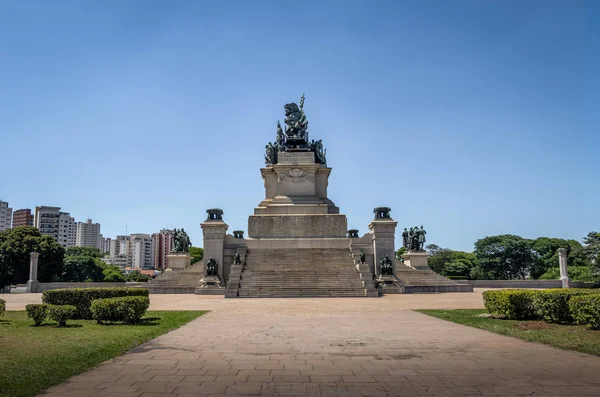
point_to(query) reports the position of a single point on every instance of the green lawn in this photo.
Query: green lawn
(35, 358)
(569, 337)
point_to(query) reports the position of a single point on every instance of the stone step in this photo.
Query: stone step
(271, 273)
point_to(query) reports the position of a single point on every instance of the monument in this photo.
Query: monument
(179, 258)
(562, 263)
(298, 243)
(414, 242)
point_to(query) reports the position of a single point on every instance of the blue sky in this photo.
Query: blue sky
(472, 118)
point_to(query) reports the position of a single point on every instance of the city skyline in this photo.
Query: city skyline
(472, 119)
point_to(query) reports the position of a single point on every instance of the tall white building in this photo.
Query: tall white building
(5, 216)
(119, 251)
(142, 254)
(104, 244)
(67, 230)
(56, 224)
(88, 234)
(47, 220)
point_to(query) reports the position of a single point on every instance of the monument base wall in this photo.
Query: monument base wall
(297, 226)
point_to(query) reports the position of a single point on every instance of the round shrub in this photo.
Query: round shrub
(552, 305)
(585, 309)
(2, 307)
(514, 304)
(38, 312)
(128, 309)
(82, 298)
(61, 313)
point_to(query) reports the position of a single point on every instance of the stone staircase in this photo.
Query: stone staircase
(177, 282)
(426, 280)
(299, 273)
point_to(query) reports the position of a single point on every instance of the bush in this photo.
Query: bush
(61, 313)
(37, 312)
(2, 307)
(82, 298)
(585, 309)
(514, 304)
(129, 309)
(552, 305)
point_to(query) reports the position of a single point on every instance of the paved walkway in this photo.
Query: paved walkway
(334, 347)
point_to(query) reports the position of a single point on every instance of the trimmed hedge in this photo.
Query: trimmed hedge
(514, 304)
(82, 298)
(2, 307)
(61, 313)
(552, 305)
(38, 312)
(585, 309)
(129, 309)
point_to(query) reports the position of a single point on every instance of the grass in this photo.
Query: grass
(569, 337)
(35, 358)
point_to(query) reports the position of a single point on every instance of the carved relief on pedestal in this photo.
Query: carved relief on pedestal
(296, 175)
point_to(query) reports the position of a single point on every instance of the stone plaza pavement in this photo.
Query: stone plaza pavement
(332, 347)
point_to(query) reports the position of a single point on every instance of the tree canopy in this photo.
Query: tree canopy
(197, 254)
(16, 245)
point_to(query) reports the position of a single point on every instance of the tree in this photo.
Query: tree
(197, 254)
(15, 247)
(83, 264)
(546, 254)
(113, 273)
(400, 253)
(82, 268)
(592, 249)
(438, 257)
(504, 257)
(137, 276)
(449, 262)
(84, 251)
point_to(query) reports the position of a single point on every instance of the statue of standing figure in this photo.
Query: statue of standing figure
(181, 241)
(421, 238)
(405, 239)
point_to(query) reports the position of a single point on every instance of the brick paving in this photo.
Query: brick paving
(333, 347)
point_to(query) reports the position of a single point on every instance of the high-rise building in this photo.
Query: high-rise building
(67, 230)
(56, 224)
(142, 255)
(5, 216)
(162, 244)
(47, 220)
(119, 251)
(22, 217)
(104, 244)
(88, 234)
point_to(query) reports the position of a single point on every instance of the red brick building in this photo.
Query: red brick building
(22, 217)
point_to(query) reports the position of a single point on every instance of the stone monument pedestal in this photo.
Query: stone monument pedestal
(390, 284)
(177, 261)
(416, 260)
(210, 285)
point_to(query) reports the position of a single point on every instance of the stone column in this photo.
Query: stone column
(383, 230)
(32, 283)
(213, 232)
(562, 262)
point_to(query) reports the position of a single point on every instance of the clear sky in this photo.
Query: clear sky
(473, 118)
